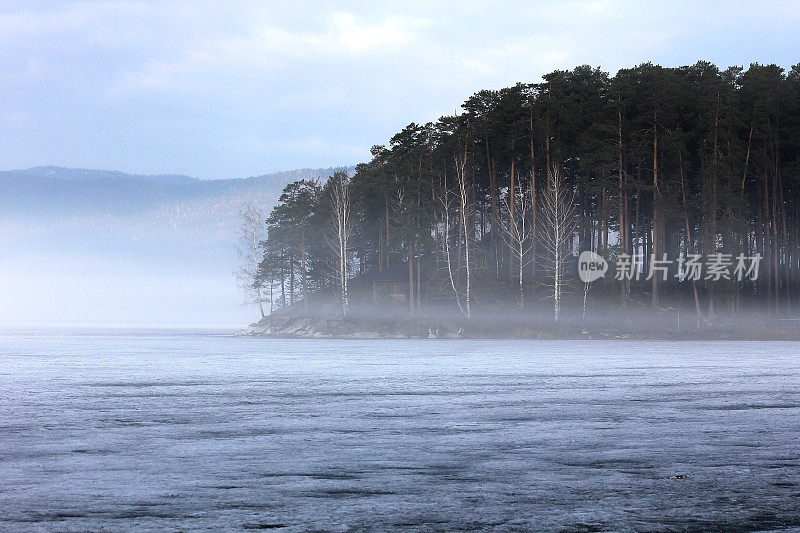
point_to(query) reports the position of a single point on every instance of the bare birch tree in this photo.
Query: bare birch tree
(463, 196)
(458, 270)
(342, 228)
(518, 234)
(556, 237)
(251, 233)
(448, 217)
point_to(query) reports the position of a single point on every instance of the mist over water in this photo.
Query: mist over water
(117, 290)
(84, 246)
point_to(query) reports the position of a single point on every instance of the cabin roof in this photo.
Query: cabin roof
(395, 272)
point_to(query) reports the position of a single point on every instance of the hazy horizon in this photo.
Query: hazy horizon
(89, 249)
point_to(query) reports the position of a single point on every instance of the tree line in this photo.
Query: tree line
(491, 206)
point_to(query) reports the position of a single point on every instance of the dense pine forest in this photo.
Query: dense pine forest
(489, 208)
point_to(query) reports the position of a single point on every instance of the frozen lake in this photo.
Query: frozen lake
(158, 430)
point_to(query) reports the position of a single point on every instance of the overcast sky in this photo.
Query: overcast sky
(232, 89)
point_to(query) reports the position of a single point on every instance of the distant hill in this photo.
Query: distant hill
(83, 174)
(71, 209)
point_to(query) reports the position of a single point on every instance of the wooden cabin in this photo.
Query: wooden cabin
(390, 286)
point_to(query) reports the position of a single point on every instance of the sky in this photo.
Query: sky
(233, 89)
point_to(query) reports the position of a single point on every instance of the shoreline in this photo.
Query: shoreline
(369, 328)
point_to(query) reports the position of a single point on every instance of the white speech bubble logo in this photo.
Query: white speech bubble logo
(591, 267)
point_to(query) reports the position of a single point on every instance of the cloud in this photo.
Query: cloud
(232, 89)
(266, 49)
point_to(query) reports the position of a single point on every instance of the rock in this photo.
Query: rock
(291, 330)
(365, 335)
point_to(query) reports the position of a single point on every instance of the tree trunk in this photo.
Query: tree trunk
(410, 277)
(533, 200)
(656, 250)
(637, 213)
(689, 246)
(624, 284)
(747, 157)
(767, 241)
(511, 202)
(712, 297)
(386, 206)
(493, 194)
(303, 266)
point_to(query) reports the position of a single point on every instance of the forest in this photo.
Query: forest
(489, 208)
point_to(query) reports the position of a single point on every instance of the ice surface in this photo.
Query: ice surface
(174, 431)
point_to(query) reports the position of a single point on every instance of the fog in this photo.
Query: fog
(51, 289)
(102, 248)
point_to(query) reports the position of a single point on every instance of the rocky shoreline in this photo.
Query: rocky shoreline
(403, 327)
(284, 326)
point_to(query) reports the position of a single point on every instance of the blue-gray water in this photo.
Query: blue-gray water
(124, 431)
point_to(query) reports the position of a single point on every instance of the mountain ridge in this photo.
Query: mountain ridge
(43, 203)
(90, 174)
